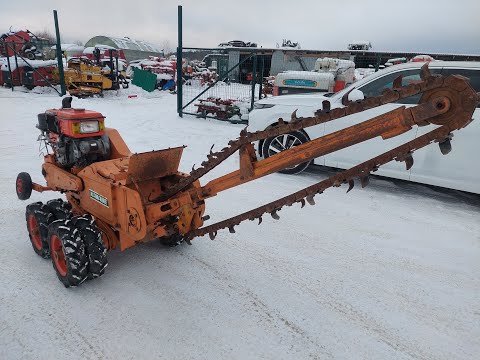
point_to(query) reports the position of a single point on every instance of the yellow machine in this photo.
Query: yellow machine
(83, 78)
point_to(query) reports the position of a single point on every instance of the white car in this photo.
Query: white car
(457, 170)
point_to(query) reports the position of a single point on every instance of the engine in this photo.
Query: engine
(76, 136)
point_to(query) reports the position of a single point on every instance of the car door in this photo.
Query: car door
(356, 154)
(459, 169)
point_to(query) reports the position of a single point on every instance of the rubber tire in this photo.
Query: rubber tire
(297, 169)
(94, 246)
(23, 186)
(74, 252)
(62, 210)
(43, 217)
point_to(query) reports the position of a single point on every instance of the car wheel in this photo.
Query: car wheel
(282, 142)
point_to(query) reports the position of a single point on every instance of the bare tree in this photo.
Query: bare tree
(46, 34)
(167, 47)
(79, 42)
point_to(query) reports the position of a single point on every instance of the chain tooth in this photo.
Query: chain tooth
(275, 215)
(445, 146)
(397, 83)
(364, 180)
(302, 201)
(212, 235)
(351, 184)
(260, 219)
(294, 117)
(231, 229)
(310, 199)
(345, 100)
(326, 105)
(409, 161)
(425, 72)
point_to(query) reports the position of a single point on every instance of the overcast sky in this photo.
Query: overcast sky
(410, 25)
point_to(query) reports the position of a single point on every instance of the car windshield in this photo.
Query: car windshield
(373, 84)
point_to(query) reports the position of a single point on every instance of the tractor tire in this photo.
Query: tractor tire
(69, 257)
(282, 142)
(94, 246)
(23, 186)
(30, 55)
(62, 210)
(38, 218)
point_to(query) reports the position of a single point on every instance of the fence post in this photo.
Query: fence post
(261, 77)
(59, 55)
(19, 72)
(254, 80)
(377, 62)
(9, 66)
(179, 65)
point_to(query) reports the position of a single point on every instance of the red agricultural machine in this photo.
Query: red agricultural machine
(222, 109)
(26, 44)
(116, 199)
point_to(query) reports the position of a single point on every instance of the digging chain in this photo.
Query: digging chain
(464, 106)
(429, 82)
(361, 171)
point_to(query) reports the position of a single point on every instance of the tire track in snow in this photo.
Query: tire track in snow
(325, 298)
(269, 315)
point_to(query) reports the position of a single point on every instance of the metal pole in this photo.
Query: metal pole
(261, 77)
(254, 80)
(19, 72)
(179, 65)
(377, 62)
(59, 55)
(9, 66)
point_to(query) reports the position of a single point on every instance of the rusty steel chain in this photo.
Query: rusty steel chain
(362, 171)
(429, 82)
(460, 96)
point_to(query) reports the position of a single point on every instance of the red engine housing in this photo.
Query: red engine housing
(67, 119)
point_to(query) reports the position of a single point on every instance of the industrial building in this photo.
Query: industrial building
(133, 49)
(274, 61)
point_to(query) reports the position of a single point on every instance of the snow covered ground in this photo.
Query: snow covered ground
(386, 272)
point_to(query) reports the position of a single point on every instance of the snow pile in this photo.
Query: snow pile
(32, 63)
(70, 48)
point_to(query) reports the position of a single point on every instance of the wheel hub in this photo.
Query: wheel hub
(58, 255)
(34, 231)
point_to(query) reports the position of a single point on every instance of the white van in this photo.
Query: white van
(457, 170)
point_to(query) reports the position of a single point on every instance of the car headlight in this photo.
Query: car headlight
(87, 127)
(262, 106)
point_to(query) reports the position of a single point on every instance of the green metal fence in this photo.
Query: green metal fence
(221, 84)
